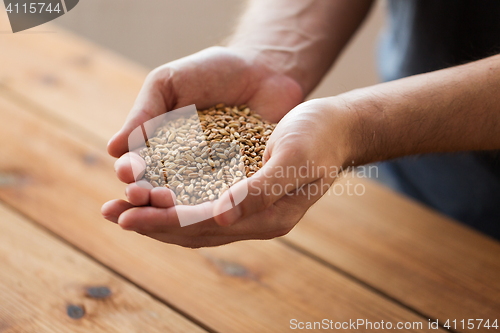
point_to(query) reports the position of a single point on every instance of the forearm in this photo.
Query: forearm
(455, 109)
(299, 38)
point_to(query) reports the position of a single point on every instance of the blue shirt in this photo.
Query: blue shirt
(424, 36)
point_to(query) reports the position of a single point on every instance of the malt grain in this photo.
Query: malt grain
(200, 157)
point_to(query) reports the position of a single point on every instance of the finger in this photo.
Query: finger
(130, 167)
(281, 217)
(138, 195)
(149, 219)
(155, 98)
(162, 197)
(111, 210)
(259, 192)
(166, 220)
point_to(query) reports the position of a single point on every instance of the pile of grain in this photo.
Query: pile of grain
(200, 157)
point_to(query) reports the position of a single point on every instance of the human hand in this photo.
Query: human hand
(310, 138)
(214, 75)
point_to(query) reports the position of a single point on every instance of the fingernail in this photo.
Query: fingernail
(111, 218)
(112, 138)
(231, 216)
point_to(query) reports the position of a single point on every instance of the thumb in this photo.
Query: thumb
(277, 178)
(155, 98)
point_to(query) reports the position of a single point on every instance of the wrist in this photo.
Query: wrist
(335, 124)
(358, 119)
(258, 54)
(277, 60)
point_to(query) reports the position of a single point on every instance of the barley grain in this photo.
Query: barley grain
(201, 157)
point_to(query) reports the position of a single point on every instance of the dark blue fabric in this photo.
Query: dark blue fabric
(427, 35)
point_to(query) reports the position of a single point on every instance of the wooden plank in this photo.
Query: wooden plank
(76, 83)
(380, 246)
(43, 280)
(441, 268)
(61, 182)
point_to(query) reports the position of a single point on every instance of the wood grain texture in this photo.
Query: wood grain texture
(435, 265)
(61, 182)
(75, 83)
(420, 258)
(41, 279)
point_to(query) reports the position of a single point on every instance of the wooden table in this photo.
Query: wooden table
(63, 268)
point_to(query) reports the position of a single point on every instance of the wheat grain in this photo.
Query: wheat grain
(200, 157)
